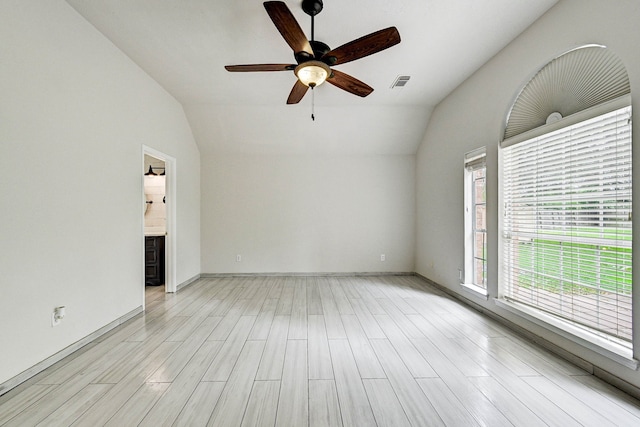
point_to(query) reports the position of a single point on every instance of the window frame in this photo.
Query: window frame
(610, 348)
(473, 161)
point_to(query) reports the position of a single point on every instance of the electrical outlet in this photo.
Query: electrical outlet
(383, 257)
(238, 258)
(58, 315)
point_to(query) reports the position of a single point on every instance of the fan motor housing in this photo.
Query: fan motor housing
(312, 7)
(319, 50)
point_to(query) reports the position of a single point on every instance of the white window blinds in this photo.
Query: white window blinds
(567, 223)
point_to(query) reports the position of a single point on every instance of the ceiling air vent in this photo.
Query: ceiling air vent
(400, 81)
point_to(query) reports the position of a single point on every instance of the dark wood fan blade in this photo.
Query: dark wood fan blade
(286, 23)
(364, 46)
(297, 93)
(260, 67)
(350, 84)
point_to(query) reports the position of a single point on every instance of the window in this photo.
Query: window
(566, 224)
(475, 220)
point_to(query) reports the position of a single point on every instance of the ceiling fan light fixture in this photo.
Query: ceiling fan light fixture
(312, 73)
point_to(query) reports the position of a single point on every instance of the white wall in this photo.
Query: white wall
(307, 213)
(74, 114)
(474, 115)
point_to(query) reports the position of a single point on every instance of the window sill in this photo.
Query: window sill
(475, 290)
(609, 349)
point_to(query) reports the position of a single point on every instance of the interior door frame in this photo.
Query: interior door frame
(170, 206)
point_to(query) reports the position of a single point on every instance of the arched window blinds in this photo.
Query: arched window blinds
(573, 82)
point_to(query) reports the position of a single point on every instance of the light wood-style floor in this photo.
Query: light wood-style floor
(317, 351)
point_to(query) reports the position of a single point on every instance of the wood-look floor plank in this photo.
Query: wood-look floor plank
(201, 297)
(293, 403)
(286, 297)
(262, 325)
(320, 367)
(349, 287)
(396, 294)
(435, 318)
(417, 407)
(475, 402)
(369, 298)
(145, 351)
(473, 319)
(138, 405)
(86, 359)
(407, 327)
(67, 413)
(544, 361)
(179, 358)
(339, 296)
(573, 406)
(314, 303)
(516, 411)
(23, 400)
(626, 403)
(273, 358)
(120, 393)
(385, 404)
(251, 287)
(256, 302)
(354, 404)
(546, 410)
(365, 358)
(324, 409)
(52, 401)
(199, 407)
(228, 322)
(370, 287)
(262, 405)
(233, 400)
(332, 320)
(451, 410)
(415, 362)
(167, 408)
(508, 359)
(225, 360)
(461, 360)
(298, 322)
(189, 325)
(275, 290)
(367, 321)
(230, 302)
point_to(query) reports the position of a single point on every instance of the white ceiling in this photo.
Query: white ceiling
(184, 45)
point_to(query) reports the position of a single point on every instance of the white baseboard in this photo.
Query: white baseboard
(188, 282)
(310, 274)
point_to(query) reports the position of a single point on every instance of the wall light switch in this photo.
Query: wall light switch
(383, 257)
(238, 258)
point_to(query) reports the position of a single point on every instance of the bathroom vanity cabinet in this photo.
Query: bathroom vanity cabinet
(154, 260)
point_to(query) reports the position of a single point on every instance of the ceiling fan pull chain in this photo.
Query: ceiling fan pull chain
(313, 104)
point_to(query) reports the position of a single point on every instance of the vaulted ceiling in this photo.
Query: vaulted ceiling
(185, 44)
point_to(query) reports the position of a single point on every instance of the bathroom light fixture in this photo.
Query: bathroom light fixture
(151, 172)
(312, 73)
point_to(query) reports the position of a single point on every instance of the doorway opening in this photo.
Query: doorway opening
(158, 223)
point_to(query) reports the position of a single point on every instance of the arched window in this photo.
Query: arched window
(565, 179)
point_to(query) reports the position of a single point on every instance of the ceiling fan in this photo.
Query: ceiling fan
(314, 58)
